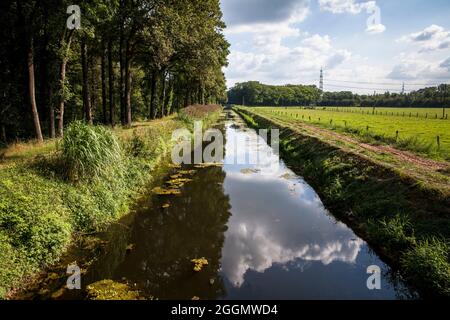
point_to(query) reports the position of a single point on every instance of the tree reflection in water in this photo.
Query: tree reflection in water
(168, 239)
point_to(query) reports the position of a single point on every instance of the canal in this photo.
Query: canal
(265, 235)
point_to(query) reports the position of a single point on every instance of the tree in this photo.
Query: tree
(152, 57)
(25, 14)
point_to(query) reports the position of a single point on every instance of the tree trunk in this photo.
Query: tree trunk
(51, 115)
(154, 96)
(32, 92)
(128, 78)
(27, 41)
(103, 79)
(163, 94)
(112, 107)
(3, 133)
(202, 94)
(45, 104)
(121, 87)
(169, 98)
(62, 80)
(86, 97)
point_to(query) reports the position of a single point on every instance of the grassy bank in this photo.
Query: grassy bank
(407, 222)
(52, 193)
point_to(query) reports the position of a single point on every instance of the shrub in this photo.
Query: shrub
(10, 267)
(34, 224)
(90, 151)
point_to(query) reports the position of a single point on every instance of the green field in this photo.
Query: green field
(418, 132)
(426, 113)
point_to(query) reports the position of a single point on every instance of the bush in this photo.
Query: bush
(90, 151)
(34, 225)
(10, 267)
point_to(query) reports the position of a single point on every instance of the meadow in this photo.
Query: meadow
(427, 113)
(420, 130)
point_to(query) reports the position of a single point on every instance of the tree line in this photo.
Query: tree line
(254, 93)
(129, 60)
(431, 97)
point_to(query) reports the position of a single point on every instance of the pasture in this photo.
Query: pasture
(419, 130)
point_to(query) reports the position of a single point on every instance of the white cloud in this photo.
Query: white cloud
(432, 38)
(346, 6)
(277, 63)
(412, 67)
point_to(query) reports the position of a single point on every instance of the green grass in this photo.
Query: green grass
(429, 262)
(49, 195)
(414, 134)
(426, 113)
(397, 217)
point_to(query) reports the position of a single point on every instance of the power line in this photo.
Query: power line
(384, 83)
(365, 88)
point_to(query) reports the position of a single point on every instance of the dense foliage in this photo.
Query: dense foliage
(257, 94)
(131, 59)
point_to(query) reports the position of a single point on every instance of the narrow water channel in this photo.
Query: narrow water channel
(265, 236)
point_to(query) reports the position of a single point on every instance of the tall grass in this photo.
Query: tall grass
(429, 262)
(89, 151)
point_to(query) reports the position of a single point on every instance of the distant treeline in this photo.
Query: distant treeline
(257, 94)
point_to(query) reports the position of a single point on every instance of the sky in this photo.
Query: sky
(362, 46)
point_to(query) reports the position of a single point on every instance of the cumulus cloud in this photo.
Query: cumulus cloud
(284, 64)
(412, 67)
(432, 38)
